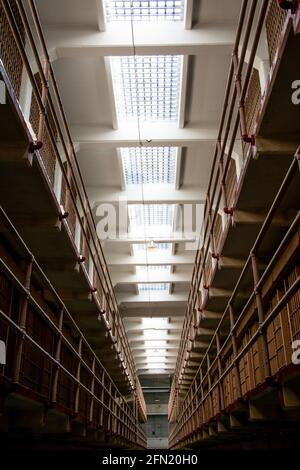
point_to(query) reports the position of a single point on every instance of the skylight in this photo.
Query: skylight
(154, 287)
(151, 220)
(149, 165)
(146, 87)
(155, 366)
(155, 334)
(156, 323)
(153, 10)
(152, 268)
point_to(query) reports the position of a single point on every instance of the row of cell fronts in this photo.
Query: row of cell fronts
(47, 356)
(58, 162)
(253, 354)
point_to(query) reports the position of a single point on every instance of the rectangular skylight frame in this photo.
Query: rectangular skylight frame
(153, 287)
(151, 220)
(147, 88)
(152, 10)
(153, 268)
(149, 165)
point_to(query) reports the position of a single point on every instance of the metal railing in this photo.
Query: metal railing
(24, 53)
(241, 110)
(47, 353)
(221, 381)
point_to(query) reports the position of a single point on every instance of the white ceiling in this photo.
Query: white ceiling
(79, 41)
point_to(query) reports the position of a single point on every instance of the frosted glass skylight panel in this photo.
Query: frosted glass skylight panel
(156, 359)
(154, 334)
(152, 269)
(146, 88)
(149, 165)
(150, 220)
(152, 10)
(154, 287)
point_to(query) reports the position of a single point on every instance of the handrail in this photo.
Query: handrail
(88, 227)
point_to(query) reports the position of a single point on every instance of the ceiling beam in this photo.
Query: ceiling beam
(111, 96)
(100, 15)
(155, 311)
(165, 371)
(186, 258)
(178, 168)
(143, 354)
(140, 329)
(149, 297)
(173, 238)
(136, 338)
(150, 39)
(137, 321)
(183, 91)
(154, 194)
(144, 362)
(188, 14)
(140, 347)
(150, 278)
(152, 135)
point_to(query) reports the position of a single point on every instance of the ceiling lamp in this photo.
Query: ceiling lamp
(152, 246)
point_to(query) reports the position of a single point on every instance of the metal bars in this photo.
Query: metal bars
(83, 370)
(241, 108)
(54, 148)
(254, 339)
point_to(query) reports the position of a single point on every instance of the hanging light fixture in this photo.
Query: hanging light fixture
(152, 246)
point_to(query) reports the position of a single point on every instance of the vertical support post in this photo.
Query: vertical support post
(211, 230)
(22, 322)
(202, 395)
(109, 426)
(261, 316)
(57, 358)
(220, 386)
(85, 251)
(44, 98)
(25, 94)
(235, 353)
(77, 394)
(102, 400)
(92, 402)
(69, 179)
(238, 83)
(223, 185)
(209, 384)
